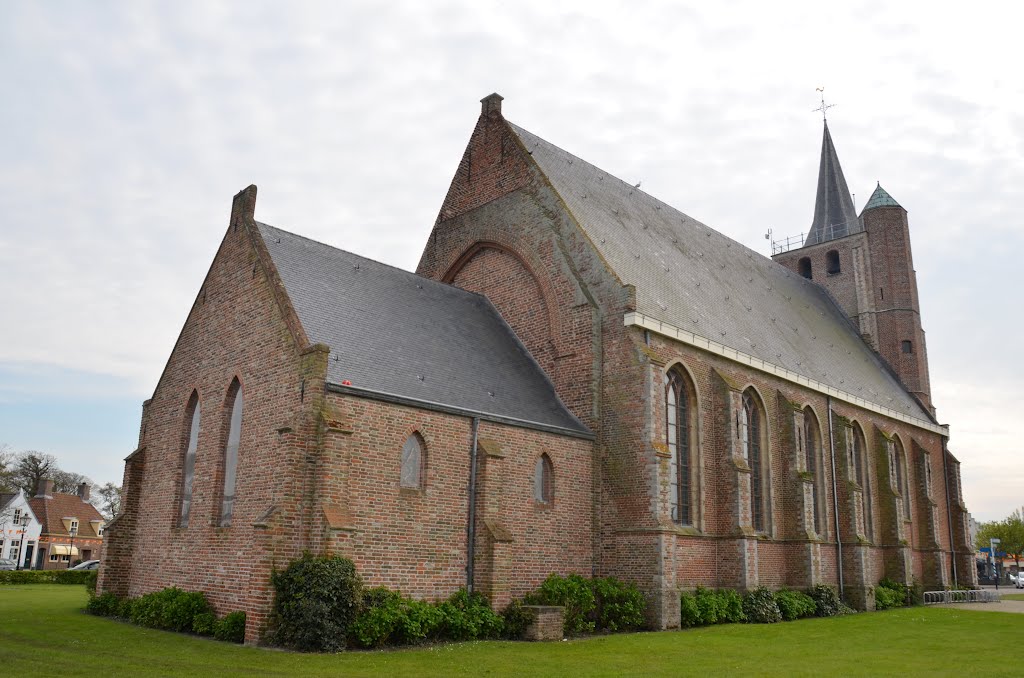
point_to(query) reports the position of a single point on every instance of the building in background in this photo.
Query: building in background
(19, 529)
(71, 529)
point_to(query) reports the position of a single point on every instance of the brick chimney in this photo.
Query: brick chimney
(491, 105)
(44, 488)
(83, 491)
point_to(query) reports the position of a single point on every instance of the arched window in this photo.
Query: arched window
(751, 439)
(543, 480)
(679, 428)
(832, 262)
(812, 451)
(233, 404)
(191, 439)
(805, 268)
(412, 462)
(862, 477)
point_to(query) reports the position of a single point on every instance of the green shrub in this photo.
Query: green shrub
(707, 606)
(689, 615)
(171, 609)
(90, 582)
(231, 628)
(730, 607)
(395, 620)
(574, 594)
(915, 593)
(316, 600)
(466, 617)
(618, 606)
(794, 604)
(826, 600)
(204, 623)
(516, 618)
(106, 605)
(125, 607)
(759, 607)
(886, 598)
(902, 591)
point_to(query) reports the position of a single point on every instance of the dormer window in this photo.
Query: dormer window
(74, 525)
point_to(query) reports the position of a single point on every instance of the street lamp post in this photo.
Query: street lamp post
(992, 544)
(24, 542)
(71, 549)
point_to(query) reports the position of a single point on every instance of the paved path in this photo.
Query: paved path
(1002, 606)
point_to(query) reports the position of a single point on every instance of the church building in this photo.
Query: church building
(577, 378)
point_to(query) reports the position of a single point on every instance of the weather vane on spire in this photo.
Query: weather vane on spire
(824, 107)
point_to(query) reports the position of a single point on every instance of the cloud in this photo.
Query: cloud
(126, 129)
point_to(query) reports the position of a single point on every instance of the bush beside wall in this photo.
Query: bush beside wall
(48, 577)
(171, 609)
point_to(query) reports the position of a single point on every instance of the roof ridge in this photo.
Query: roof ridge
(382, 264)
(695, 221)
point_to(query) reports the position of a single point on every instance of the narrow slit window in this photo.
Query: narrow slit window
(751, 441)
(678, 430)
(812, 449)
(189, 464)
(543, 480)
(412, 463)
(227, 506)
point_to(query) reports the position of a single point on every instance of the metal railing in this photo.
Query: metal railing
(830, 232)
(970, 596)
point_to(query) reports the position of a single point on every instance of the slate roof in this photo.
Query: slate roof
(880, 198)
(6, 497)
(395, 333)
(690, 276)
(50, 511)
(834, 214)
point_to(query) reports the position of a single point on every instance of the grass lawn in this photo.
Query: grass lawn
(1013, 596)
(43, 630)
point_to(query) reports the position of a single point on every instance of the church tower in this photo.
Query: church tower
(867, 266)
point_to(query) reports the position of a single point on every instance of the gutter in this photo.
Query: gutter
(471, 511)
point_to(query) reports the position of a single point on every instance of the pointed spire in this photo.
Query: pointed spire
(880, 198)
(834, 214)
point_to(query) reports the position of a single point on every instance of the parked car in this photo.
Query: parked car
(8, 564)
(87, 565)
(1018, 580)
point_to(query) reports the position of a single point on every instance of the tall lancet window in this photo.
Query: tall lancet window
(812, 450)
(678, 430)
(234, 406)
(752, 443)
(191, 439)
(863, 477)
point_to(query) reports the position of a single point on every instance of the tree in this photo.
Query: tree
(31, 467)
(67, 482)
(6, 468)
(108, 500)
(1009, 532)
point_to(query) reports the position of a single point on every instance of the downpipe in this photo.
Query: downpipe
(471, 518)
(835, 497)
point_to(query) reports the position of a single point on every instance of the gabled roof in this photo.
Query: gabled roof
(50, 511)
(6, 497)
(834, 214)
(394, 333)
(880, 198)
(691, 277)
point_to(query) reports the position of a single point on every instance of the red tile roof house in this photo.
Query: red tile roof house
(60, 515)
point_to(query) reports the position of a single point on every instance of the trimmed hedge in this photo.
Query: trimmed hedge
(48, 577)
(602, 603)
(794, 604)
(171, 609)
(704, 607)
(890, 593)
(391, 619)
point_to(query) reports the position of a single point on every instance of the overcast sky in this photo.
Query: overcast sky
(125, 129)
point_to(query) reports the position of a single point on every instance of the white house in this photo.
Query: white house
(19, 529)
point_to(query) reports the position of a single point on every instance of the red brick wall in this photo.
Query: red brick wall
(235, 329)
(414, 540)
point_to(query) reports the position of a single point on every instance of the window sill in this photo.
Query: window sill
(411, 492)
(543, 505)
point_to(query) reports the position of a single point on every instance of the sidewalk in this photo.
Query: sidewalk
(1004, 605)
